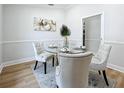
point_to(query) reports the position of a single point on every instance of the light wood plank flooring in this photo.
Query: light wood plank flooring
(21, 76)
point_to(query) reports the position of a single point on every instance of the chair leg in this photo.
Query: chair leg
(53, 62)
(57, 86)
(99, 72)
(35, 64)
(57, 61)
(45, 67)
(105, 78)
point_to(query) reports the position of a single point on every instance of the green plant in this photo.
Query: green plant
(65, 31)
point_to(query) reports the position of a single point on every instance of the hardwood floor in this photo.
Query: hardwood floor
(118, 76)
(18, 76)
(21, 76)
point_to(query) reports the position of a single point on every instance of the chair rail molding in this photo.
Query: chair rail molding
(26, 41)
(114, 42)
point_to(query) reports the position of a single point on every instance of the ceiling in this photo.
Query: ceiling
(55, 5)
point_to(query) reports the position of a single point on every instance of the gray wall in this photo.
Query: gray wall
(18, 29)
(114, 27)
(0, 33)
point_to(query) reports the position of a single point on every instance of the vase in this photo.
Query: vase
(66, 42)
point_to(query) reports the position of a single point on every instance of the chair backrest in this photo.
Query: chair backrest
(74, 70)
(38, 47)
(103, 53)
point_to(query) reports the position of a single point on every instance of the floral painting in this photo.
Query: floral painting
(41, 24)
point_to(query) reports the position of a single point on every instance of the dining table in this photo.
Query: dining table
(56, 50)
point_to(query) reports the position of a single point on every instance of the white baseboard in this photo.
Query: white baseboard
(18, 61)
(115, 67)
(1, 67)
(14, 62)
(24, 60)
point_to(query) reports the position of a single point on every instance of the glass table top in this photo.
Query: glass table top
(64, 50)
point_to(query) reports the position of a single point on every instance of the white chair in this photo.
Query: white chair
(73, 70)
(99, 61)
(41, 55)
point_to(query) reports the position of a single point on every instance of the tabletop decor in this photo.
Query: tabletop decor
(41, 24)
(65, 32)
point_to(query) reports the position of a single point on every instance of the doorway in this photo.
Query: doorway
(93, 32)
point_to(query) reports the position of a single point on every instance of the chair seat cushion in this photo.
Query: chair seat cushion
(96, 64)
(44, 56)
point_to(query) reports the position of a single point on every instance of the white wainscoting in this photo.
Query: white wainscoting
(18, 61)
(11, 51)
(116, 64)
(14, 50)
(116, 58)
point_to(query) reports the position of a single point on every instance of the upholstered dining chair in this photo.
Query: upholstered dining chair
(41, 55)
(73, 70)
(100, 59)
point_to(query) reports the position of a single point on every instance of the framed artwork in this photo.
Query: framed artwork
(41, 24)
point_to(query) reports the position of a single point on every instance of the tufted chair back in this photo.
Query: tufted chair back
(73, 70)
(103, 53)
(38, 47)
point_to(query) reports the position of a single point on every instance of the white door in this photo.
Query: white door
(93, 33)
